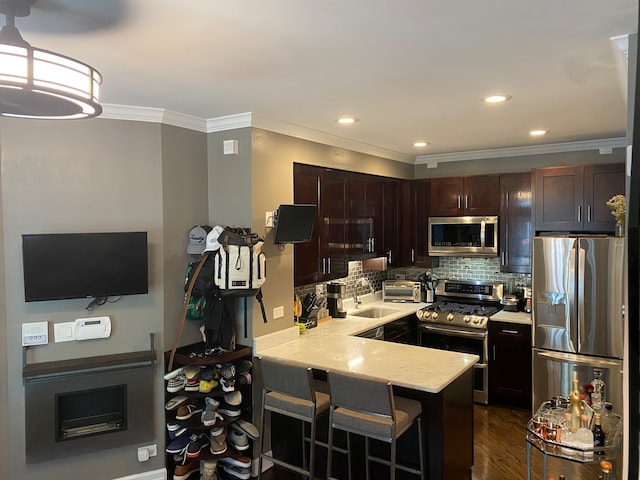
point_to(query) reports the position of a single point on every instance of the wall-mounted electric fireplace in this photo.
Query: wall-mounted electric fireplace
(88, 405)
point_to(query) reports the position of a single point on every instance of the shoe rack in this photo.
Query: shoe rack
(181, 466)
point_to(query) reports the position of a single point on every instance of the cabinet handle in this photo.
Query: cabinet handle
(373, 245)
(515, 332)
(413, 255)
(579, 213)
(389, 257)
(588, 213)
(459, 202)
(324, 261)
(502, 258)
(466, 201)
(493, 353)
(329, 265)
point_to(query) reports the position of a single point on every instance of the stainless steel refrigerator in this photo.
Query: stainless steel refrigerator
(577, 313)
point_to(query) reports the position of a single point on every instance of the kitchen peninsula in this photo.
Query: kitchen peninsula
(441, 380)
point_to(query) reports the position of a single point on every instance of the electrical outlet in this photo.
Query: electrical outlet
(319, 290)
(144, 453)
(278, 312)
(268, 219)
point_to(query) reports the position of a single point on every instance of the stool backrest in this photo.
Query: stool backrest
(287, 378)
(361, 394)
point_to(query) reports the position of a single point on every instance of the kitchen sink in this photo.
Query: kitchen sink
(375, 312)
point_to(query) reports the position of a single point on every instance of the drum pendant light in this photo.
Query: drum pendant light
(40, 84)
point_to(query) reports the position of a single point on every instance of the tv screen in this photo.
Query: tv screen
(79, 265)
(294, 223)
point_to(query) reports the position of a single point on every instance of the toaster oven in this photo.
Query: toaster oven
(401, 291)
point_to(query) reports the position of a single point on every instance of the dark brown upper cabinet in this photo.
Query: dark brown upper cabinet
(516, 228)
(573, 199)
(365, 225)
(475, 195)
(325, 257)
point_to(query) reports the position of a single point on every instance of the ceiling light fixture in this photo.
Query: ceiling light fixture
(496, 98)
(537, 133)
(421, 144)
(36, 83)
(346, 120)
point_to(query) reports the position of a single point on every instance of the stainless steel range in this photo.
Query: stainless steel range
(458, 321)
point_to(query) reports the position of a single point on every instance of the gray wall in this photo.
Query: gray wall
(95, 175)
(519, 163)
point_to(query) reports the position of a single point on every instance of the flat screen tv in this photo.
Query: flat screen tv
(294, 223)
(82, 265)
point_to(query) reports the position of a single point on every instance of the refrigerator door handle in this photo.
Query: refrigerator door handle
(580, 320)
(579, 359)
(572, 301)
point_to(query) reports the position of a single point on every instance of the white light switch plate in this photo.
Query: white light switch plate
(278, 312)
(35, 333)
(63, 332)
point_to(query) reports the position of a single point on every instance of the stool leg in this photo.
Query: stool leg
(329, 446)
(312, 447)
(421, 447)
(366, 457)
(304, 453)
(262, 423)
(349, 455)
(392, 473)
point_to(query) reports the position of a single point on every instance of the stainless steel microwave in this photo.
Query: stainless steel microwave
(463, 236)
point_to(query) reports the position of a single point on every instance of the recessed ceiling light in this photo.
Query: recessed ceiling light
(421, 144)
(346, 120)
(496, 98)
(537, 133)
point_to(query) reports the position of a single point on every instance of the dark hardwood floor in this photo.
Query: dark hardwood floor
(500, 451)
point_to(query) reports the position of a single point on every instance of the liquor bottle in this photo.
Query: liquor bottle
(598, 435)
(609, 420)
(575, 401)
(597, 396)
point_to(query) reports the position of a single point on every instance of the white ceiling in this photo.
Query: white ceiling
(408, 69)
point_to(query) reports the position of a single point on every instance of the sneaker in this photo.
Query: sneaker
(192, 384)
(237, 472)
(208, 470)
(178, 445)
(196, 444)
(176, 384)
(174, 373)
(244, 379)
(175, 402)
(182, 472)
(207, 385)
(234, 398)
(236, 460)
(185, 412)
(244, 366)
(228, 380)
(247, 427)
(218, 440)
(208, 417)
(238, 439)
(209, 373)
(230, 410)
(173, 434)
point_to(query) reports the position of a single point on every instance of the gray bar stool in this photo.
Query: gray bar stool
(368, 407)
(289, 389)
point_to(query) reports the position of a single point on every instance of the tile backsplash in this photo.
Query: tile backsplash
(459, 268)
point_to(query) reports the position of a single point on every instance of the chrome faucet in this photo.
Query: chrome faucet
(361, 281)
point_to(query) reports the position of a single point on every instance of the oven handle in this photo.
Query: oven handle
(453, 331)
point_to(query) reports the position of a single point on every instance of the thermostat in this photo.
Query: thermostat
(94, 327)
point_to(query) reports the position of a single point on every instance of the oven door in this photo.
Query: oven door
(474, 342)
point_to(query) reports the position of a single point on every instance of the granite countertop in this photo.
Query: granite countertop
(332, 346)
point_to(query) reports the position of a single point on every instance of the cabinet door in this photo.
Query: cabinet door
(375, 211)
(601, 182)
(515, 223)
(510, 364)
(481, 195)
(446, 196)
(422, 194)
(391, 222)
(333, 236)
(559, 194)
(307, 256)
(407, 224)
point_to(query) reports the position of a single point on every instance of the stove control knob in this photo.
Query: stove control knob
(434, 315)
(420, 314)
(484, 320)
(466, 319)
(450, 317)
(476, 320)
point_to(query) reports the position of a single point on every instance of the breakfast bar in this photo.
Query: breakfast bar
(441, 380)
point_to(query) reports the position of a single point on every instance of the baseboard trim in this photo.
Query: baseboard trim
(160, 474)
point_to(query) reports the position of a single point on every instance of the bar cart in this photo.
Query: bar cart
(538, 439)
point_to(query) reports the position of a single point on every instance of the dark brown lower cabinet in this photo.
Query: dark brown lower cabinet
(510, 364)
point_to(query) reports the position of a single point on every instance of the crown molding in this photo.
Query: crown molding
(605, 145)
(153, 115)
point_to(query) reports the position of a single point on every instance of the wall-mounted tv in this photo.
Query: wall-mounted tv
(82, 265)
(294, 223)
